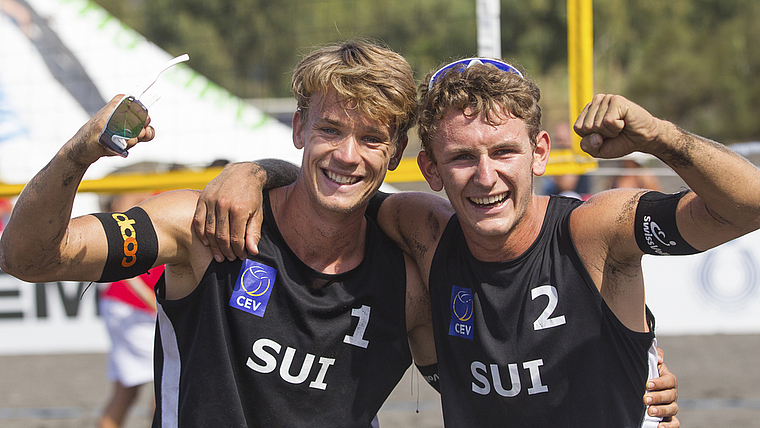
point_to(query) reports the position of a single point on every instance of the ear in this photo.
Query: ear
(430, 171)
(541, 153)
(298, 137)
(398, 153)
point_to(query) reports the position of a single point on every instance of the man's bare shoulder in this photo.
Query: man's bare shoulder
(185, 256)
(604, 223)
(172, 214)
(415, 221)
(610, 207)
(174, 203)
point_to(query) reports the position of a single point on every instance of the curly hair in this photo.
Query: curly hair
(479, 89)
(370, 78)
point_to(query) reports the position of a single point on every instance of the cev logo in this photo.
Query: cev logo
(257, 279)
(253, 287)
(461, 305)
(462, 308)
(130, 238)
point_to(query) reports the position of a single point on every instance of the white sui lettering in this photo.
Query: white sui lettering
(270, 364)
(482, 386)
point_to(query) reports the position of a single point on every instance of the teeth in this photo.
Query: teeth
(490, 199)
(341, 179)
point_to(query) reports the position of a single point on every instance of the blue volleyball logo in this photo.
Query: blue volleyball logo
(253, 287)
(255, 281)
(462, 305)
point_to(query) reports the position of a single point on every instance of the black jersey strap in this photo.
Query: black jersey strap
(374, 204)
(650, 318)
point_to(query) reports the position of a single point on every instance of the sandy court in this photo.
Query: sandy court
(718, 376)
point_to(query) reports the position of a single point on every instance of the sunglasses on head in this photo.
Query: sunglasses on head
(129, 117)
(464, 64)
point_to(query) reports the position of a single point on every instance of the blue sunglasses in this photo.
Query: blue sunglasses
(464, 64)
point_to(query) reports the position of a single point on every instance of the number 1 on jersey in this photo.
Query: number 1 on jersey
(358, 337)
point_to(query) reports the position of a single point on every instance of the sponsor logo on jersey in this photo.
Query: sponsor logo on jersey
(130, 238)
(461, 312)
(253, 287)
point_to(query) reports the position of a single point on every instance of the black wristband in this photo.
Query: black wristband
(430, 373)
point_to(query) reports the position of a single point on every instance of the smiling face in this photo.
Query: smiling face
(346, 155)
(486, 170)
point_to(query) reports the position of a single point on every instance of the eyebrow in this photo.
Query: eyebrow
(368, 129)
(466, 148)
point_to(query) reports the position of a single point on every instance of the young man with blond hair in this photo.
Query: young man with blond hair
(308, 331)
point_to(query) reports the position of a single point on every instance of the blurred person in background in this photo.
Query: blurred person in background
(571, 185)
(128, 308)
(634, 174)
(5, 212)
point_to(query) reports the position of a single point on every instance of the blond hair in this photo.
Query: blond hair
(370, 78)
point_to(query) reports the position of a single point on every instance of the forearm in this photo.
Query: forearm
(37, 229)
(37, 235)
(724, 181)
(228, 215)
(278, 172)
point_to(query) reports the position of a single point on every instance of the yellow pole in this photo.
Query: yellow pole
(580, 64)
(135, 182)
(580, 56)
(407, 171)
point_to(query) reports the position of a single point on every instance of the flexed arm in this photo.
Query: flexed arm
(40, 242)
(725, 203)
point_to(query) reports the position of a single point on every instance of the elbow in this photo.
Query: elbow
(12, 268)
(8, 265)
(23, 268)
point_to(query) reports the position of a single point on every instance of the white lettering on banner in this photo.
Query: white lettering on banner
(718, 291)
(61, 316)
(482, 386)
(45, 295)
(270, 363)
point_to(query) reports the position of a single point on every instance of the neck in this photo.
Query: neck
(327, 241)
(513, 243)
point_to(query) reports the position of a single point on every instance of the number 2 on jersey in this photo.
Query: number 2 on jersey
(544, 320)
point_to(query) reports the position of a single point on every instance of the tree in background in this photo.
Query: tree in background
(690, 61)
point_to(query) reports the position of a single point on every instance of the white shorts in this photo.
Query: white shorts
(130, 361)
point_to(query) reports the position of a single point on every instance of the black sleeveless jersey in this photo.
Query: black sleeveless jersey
(255, 346)
(531, 342)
